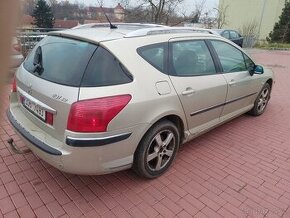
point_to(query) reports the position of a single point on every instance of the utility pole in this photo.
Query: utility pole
(262, 16)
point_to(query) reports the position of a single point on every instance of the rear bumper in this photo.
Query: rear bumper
(36, 142)
(75, 142)
(94, 142)
(107, 153)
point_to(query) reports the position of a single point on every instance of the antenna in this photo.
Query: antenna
(112, 26)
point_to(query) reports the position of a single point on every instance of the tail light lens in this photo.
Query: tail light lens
(95, 115)
(49, 118)
(14, 87)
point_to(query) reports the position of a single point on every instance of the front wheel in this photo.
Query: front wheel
(157, 150)
(261, 101)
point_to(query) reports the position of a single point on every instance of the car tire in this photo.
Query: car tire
(261, 101)
(157, 150)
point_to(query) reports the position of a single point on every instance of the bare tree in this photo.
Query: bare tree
(66, 10)
(137, 14)
(196, 16)
(184, 18)
(159, 8)
(198, 11)
(250, 33)
(170, 13)
(100, 3)
(208, 21)
(28, 6)
(52, 2)
(125, 3)
(221, 18)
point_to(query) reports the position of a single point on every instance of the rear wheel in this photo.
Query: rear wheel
(157, 150)
(261, 101)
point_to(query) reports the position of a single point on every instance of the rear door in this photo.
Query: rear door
(49, 80)
(202, 91)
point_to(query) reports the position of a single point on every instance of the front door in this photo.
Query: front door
(242, 88)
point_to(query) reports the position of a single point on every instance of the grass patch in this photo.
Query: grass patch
(265, 45)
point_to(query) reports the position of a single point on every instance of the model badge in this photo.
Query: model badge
(29, 89)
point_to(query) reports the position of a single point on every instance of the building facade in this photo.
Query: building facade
(263, 13)
(116, 14)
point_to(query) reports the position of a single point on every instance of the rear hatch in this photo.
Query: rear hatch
(48, 81)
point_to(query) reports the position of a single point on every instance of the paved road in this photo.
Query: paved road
(237, 170)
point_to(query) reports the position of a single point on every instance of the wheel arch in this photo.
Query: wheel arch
(177, 122)
(175, 119)
(270, 82)
(138, 158)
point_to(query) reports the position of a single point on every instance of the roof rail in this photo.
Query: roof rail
(119, 25)
(165, 30)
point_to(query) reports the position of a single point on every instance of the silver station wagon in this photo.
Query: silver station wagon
(97, 100)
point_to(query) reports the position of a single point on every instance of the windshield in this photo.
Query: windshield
(63, 60)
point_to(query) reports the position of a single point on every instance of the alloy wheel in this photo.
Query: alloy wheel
(263, 100)
(161, 149)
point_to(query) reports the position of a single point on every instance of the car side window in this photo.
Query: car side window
(226, 34)
(154, 55)
(249, 63)
(104, 70)
(231, 58)
(191, 58)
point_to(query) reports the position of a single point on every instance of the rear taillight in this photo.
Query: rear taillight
(49, 118)
(95, 115)
(14, 87)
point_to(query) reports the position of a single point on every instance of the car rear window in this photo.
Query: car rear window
(63, 60)
(104, 70)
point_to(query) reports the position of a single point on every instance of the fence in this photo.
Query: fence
(249, 41)
(29, 37)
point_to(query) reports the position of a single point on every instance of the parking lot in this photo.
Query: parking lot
(240, 169)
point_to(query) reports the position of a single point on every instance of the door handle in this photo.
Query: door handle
(188, 91)
(232, 82)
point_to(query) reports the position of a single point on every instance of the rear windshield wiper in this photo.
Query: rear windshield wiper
(37, 61)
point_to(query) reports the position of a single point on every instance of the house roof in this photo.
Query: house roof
(106, 10)
(66, 24)
(119, 7)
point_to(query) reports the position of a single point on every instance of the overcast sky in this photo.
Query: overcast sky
(188, 5)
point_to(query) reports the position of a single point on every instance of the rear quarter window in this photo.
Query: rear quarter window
(154, 55)
(104, 69)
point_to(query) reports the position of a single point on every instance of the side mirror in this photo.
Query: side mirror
(259, 69)
(256, 69)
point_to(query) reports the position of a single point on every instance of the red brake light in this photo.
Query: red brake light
(95, 115)
(49, 118)
(14, 87)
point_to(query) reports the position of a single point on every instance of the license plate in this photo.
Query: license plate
(34, 108)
